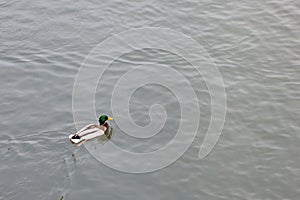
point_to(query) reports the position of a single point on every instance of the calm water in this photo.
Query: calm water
(256, 47)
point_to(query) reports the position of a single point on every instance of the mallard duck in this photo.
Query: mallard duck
(91, 131)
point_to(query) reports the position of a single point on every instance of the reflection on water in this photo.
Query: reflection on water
(108, 134)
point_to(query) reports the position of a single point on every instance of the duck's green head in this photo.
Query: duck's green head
(104, 118)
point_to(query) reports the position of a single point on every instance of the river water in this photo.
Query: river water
(254, 44)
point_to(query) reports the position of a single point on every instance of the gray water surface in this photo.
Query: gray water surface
(255, 45)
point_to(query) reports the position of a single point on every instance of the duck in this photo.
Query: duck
(91, 131)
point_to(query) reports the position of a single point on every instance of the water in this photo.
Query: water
(256, 47)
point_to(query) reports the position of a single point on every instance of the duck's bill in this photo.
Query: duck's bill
(109, 119)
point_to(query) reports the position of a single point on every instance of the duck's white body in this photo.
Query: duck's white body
(87, 133)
